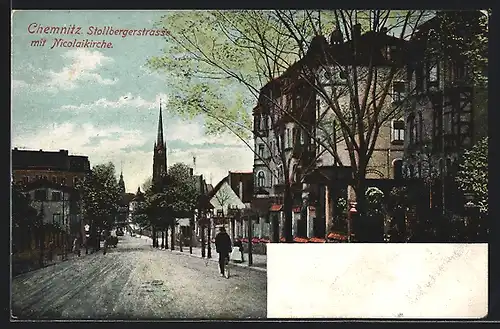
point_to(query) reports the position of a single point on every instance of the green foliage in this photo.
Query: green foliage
(100, 195)
(177, 198)
(23, 214)
(463, 35)
(374, 198)
(472, 176)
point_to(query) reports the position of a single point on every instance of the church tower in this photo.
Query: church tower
(121, 183)
(160, 154)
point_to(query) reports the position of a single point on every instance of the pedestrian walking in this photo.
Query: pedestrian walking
(223, 247)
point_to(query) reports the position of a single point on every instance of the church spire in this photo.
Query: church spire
(121, 182)
(159, 138)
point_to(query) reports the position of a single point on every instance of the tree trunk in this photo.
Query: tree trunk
(166, 237)
(162, 239)
(361, 207)
(153, 233)
(287, 208)
(172, 237)
(275, 227)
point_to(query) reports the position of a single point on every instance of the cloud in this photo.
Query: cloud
(83, 67)
(121, 146)
(193, 133)
(18, 85)
(127, 100)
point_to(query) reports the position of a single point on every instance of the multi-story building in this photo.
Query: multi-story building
(447, 112)
(56, 167)
(48, 179)
(293, 124)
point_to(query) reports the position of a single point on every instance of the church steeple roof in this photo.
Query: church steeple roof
(121, 182)
(159, 138)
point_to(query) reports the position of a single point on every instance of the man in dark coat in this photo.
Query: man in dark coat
(223, 246)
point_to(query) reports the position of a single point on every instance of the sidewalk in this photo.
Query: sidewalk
(259, 261)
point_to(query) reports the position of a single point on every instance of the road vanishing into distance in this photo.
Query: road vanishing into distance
(135, 281)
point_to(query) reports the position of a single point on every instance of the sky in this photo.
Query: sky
(104, 103)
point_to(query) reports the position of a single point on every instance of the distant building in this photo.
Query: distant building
(48, 180)
(159, 155)
(58, 204)
(56, 167)
(231, 195)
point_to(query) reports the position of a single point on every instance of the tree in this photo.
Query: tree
(23, 218)
(254, 47)
(175, 198)
(147, 183)
(472, 176)
(100, 195)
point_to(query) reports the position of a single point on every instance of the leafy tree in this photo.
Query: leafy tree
(23, 218)
(175, 198)
(100, 195)
(472, 176)
(212, 50)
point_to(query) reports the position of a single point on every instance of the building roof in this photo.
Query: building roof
(49, 160)
(233, 179)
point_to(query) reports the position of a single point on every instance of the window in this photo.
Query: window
(56, 196)
(63, 181)
(397, 167)
(41, 195)
(261, 150)
(419, 78)
(75, 180)
(399, 91)
(420, 127)
(295, 174)
(433, 75)
(437, 117)
(261, 179)
(398, 131)
(54, 179)
(257, 122)
(25, 179)
(45, 178)
(411, 124)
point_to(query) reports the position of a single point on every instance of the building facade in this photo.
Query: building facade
(296, 131)
(447, 112)
(57, 167)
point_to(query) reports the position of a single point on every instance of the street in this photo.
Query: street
(135, 281)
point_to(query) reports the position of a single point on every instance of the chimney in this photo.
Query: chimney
(356, 31)
(241, 191)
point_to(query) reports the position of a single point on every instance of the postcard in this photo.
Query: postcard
(249, 164)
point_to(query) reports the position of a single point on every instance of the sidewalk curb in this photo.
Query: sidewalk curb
(259, 269)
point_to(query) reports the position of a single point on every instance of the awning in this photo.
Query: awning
(276, 207)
